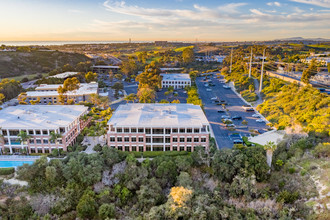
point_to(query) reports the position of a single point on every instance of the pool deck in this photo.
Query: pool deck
(18, 158)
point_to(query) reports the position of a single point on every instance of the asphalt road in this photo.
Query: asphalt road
(234, 106)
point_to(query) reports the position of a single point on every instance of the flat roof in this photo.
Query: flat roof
(39, 116)
(275, 136)
(84, 89)
(175, 76)
(106, 67)
(169, 69)
(64, 75)
(158, 115)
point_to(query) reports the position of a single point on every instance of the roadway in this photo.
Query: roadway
(234, 107)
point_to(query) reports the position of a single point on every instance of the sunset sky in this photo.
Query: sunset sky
(181, 20)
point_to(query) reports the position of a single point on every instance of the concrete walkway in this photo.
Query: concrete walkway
(91, 142)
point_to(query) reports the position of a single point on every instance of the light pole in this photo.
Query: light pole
(262, 70)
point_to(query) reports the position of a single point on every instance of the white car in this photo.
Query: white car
(225, 117)
(206, 85)
(256, 116)
(259, 120)
(226, 87)
(214, 98)
(209, 90)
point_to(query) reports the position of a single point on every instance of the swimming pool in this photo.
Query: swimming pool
(14, 163)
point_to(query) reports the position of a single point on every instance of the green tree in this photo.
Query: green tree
(150, 77)
(129, 67)
(130, 98)
(86, 207)
(2, 97)
(23, 137)
(270, 147)
(107, 211)
(309, 72)
(90, 77)
(146, 95)
(188, 55)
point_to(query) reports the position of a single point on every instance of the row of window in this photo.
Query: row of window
(30, 132)
(158, 139)
(14, 141)
(149, 148)
(176, 82)
(160, 130)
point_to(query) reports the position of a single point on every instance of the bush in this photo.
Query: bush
(7, 171)
(249, 96)
(292, 170)
(287, 197)
(25, 79)
(97, 148)
(159, 153)
(322, 150)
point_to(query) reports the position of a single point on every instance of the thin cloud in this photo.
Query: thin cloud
(274, 4)
(321, 3)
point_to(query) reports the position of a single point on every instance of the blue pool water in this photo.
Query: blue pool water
(14, 163)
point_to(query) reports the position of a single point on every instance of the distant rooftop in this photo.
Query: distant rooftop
(64, 75)
(170, 69)
(106, 67)
(158, 115)
(51, 90)
(275, 136)
(175, 76)
(39, 116)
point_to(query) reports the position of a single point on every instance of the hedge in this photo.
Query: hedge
(158, 153)
(7, 171)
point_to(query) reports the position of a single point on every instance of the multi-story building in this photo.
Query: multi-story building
(177, 80)
(39, 122)
(158, 127)
(47, 93)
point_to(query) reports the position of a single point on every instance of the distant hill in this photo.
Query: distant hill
(302, 39)
(27, 63)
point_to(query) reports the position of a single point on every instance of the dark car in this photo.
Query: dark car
(221, 111)
(249, 110)
(236, 117)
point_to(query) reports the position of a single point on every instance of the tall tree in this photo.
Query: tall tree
(188, 55)
(309, 72)
(90, 77)
(146, 95)
(270, 147)
(150, 78)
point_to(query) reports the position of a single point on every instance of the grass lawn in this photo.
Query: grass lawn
(30, 77)
(180, 49)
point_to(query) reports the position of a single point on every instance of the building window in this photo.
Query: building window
(148, 140)
(119, 130)
(181, 140)
(44, 132)
(196, 130)
(31, 132)
(4, 132)
(167, 148)
(13, 132)
(120, 148)
(181, 148)
(148, 131)
(157, 140)
(174, 130)
(203, 139)
(167, 140)
(46, 150)
(133, 139)
(167, 131)
(175, 148)
(31, 141)
(38, 141)
(126, 139)
(182, 130)
(119, 139)
(45, 141)
(140, 139)
(189, 130)
(133, 148)
(148, 148)
(189, 139)
(158, 131)
(126, 148)
(196, 139)
(33, 150)
(112, 139)
(126, 130)
(174, 139)
(133, 130)
(141, 148)
(189, 149)
(141, 130)
(40, 150)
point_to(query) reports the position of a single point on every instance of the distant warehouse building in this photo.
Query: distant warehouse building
(48, 93)
(158, 127)
(38, 122)
(177, 80)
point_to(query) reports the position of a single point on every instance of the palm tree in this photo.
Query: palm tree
(54, 136)
(23, 137)
(130, 98)
(270, 147)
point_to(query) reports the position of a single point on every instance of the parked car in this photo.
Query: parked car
(259, 120)
(209, 90)
(236, 117)
(256, 116)
(230, 126)
(221, 111)
(214, 98)
(226, 87)
(225, 117)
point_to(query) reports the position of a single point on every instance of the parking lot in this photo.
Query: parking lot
(223, 135)
(181, 95)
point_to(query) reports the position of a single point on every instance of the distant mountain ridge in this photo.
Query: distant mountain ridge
(302, 39)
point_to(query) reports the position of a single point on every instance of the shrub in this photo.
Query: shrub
(322, 150)
(292, 170)
(97, 148)
(287, 197)
(7, 171)
(303, 172)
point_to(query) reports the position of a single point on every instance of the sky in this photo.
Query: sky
(172, 20)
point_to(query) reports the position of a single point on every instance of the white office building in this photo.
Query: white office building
(177, 80)
(158, 127)
(38, 122)
(48, 93)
